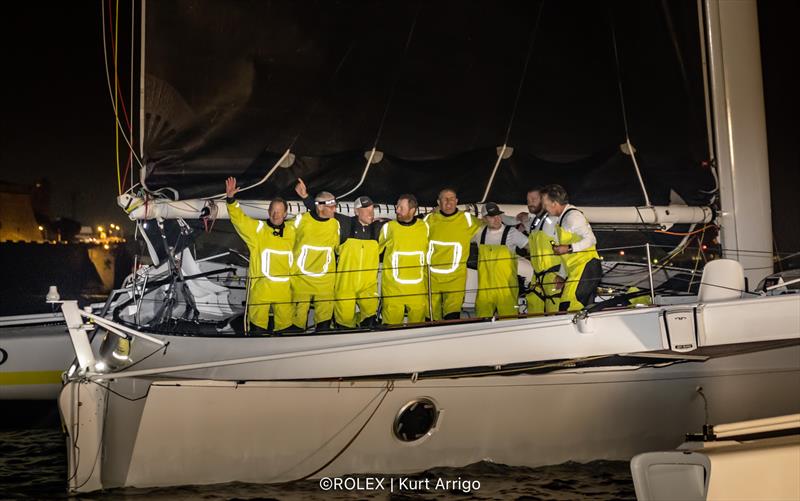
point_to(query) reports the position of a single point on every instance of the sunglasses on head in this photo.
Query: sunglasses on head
(326, 202)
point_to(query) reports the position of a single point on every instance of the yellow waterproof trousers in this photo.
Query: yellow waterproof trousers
(356, 282)
(497, 281)
(323, 308)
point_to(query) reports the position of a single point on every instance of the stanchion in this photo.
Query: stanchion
(247, 306)
(650, 273)
(430, 294)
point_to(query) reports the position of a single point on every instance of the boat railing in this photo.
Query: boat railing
(639, 257)
(626, 271)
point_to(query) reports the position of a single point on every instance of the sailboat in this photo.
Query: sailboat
(174, 396)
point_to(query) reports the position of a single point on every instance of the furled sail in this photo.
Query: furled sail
(437, 88)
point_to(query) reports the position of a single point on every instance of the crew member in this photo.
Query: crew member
(546, 283)
(498, 289)
(536, 217)
(357, 266)
(448, 250)
(576, 244)
(404, 280)
(315, 249)
(270, 244)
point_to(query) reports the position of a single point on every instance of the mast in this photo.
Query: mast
(142, 22)
(739, 131)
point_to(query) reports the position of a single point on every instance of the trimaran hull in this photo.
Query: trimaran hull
(335, 407)
(206, 431)
(247, 413)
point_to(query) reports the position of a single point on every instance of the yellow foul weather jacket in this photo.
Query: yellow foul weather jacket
(448, 251)
(271, 261)
(314, 277)
(404, 280)
(356, 281)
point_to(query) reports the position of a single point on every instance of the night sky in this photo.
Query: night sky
(57, 120)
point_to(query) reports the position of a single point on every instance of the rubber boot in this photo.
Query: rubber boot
(369, 322)
(323, 326)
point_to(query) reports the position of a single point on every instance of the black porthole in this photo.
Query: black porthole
(415, 420)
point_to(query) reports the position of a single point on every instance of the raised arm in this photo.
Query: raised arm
(245, 225)
(302, 192)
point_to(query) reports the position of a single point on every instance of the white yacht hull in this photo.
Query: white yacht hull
(748, 460)
(204, 431)
(34, 351)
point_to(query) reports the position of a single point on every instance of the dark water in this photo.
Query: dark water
(33, 464)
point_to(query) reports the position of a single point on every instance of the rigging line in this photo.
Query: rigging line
(397, 76)
(673, 34)
(624, 109)
(516, 103)
(115, 33)
(388, 104)
(320, 95)
(130, 123)
(389, 387)
(263, 179)
(326, 443)
(125, 172)
(697, 263)
(108, 82)
(682, 234)
(524, 72)
(117, 87)
(363, 174)
(296, 137)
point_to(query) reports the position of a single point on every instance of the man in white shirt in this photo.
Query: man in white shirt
(498, 288)
(576, 244)
(548, 269)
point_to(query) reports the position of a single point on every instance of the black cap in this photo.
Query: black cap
(491, 209)
(363, 201)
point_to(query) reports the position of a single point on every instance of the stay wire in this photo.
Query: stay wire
(520, 86)
(624, 110)
(389, 387)
(388, 105)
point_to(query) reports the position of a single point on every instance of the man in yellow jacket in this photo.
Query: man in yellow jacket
(404, 281)
(546, 283)
(576, 244)
(357, 266)
(270, 244)
(448, 250)
(314, 273)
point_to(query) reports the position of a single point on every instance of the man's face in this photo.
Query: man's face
(552, 208)
(534, 202)
(493, 222)
(366, 215)
(277, 213)
(326, 211)
(448, 202)
(404, 211)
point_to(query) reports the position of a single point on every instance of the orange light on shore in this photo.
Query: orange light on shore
(41, 228)
(106, 246)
